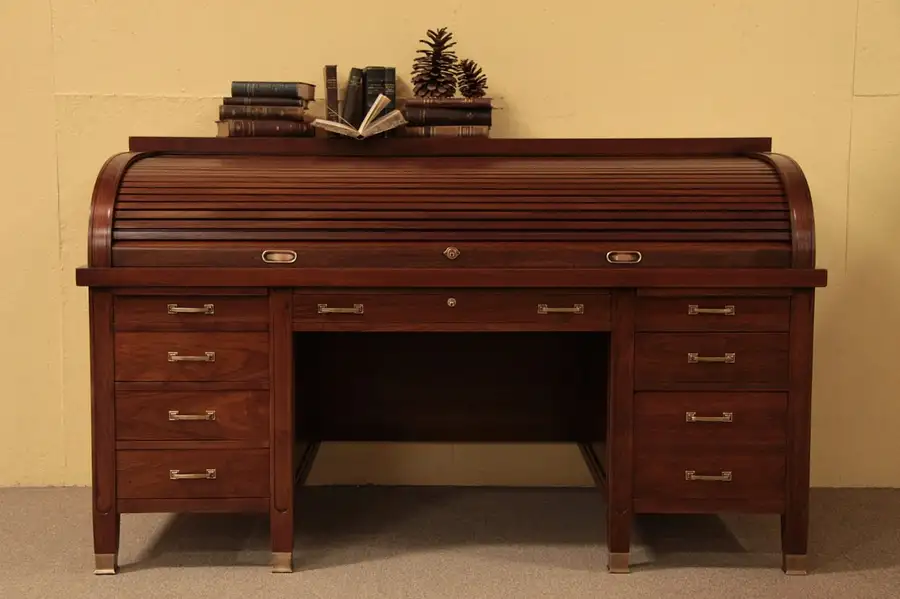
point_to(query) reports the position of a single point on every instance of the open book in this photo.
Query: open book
(370, 125)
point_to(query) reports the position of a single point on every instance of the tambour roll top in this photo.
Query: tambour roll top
(283, 211)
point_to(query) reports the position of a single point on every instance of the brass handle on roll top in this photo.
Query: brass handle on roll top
(624, 257)
(176, 309)
(279, 256)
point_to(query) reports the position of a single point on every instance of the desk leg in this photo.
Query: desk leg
(795, 520)
(281, 374)
(619, 432)
(105, 512)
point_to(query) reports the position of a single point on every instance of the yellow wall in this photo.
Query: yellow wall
(819, 76)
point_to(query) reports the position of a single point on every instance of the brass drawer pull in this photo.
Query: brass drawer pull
(206, 309)
(725, 417)
(452, 253)
(209, 356)
(209, 415)
(576, 309)
(210, 474)
(624, 257)
(692, 475)
(279, 256)
(694, 358)
(694, 310)
(356, 309)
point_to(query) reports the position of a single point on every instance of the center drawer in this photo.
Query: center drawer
(452, 310)
(197, 356)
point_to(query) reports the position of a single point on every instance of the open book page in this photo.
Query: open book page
(392, 119)
(377, 106)
(336, 127)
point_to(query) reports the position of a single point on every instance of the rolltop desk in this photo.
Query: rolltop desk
(650, 300)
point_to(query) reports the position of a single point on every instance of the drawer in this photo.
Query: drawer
(452, 309)
(709, 420)
(178, 356)
(192, 415)
(703, 475)
(191, 313)
(713, 314)
(176, 474)
(697, 361)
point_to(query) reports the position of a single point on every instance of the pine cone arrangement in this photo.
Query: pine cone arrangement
(434, 73)
(472, 82)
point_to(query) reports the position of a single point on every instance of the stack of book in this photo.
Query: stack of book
(267, 109)
(364, 85)
(447, 117)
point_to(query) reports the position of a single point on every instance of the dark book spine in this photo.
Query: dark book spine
(331, 93)
(353, 101)
(272, 89)
(288, 113)
(447, 131)
(261, 128)
(448, 102)
(374, 85)
(264, 102)
(390, 90)
(430, 115)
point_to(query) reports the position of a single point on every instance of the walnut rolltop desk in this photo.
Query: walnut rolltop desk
(648, 300)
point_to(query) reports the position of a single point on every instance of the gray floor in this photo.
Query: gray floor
(354, 543)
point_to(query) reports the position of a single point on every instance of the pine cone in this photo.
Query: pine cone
(433, 73)
(472, 82)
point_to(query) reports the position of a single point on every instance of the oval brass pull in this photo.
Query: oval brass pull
(206, 309)
(210, 474)
(694, 310)
(174, 415)
(694, 358)
(623, 257)
(452, 253)
(451, 302)
(279, 256)
(725, 417)
(576, 309)
(324, 309)
(692, 475)
(209, 356)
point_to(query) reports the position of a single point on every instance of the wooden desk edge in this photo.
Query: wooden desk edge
(427, 277)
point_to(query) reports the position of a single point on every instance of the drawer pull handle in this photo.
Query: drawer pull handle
(576, 309)
(206, 309)
(694, 358)
(694, 310)
(209, 415)
(279, 256)
(626, 257)
(692, 475)
(209, 356)
(356, 309)
(725, 417)
(452, 253)
(210, 474)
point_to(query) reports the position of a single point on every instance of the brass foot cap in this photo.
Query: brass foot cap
(105, 563)
(618, 563)
(794, 565)
(282, 563)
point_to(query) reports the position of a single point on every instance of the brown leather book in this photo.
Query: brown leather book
(273, 89)
(264, 128)
(263, 101)
(430, 115)
(285, 113)
(447, 131)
